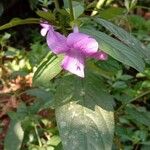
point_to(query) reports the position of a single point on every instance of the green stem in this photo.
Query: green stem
(71, 9)
(38, 137)
(56, 5)
(134, 99)
(99, 4)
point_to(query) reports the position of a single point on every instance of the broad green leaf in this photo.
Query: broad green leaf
(14, 136)
(46, 15)
(84, 115)
(47, 70)
(125, 37)
(18, 21)
(117, 49)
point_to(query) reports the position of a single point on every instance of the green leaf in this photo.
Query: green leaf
(17, 21)
(134, 114)
(49, 16)
(111, 12)
(44, 99)
(54, 140)
(85, 114)
(14, 136)
(47, 70)
(78, 8)
(117, 49)
(125, 37)
(39, 93)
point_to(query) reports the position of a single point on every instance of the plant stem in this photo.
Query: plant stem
(56, 5)
(71, 9)
(134, 99)
(98, 6)
(38, 137)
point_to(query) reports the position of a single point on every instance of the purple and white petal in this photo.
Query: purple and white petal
(73, 38)
(100, 55)
(74, 63)
(83, 43)
(45, 28)
(56, 42)
(45, 25)
(44, 31)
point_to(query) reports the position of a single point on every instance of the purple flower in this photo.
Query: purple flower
(76, 47)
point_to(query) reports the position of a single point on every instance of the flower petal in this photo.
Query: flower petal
(100, 55)
(45, 28)
(44, 31)
(82, 42)
(56, 42)
(74, 63)
(45, 25)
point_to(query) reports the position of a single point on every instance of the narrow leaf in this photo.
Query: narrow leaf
(18, 21)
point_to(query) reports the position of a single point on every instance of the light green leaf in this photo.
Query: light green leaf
(14, 136)
(18, 21)
(125, 37)
(78, 8)
(54, 140)
(85, 116)
(47, 70)
(117, 49)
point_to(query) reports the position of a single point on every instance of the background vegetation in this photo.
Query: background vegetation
(30, 109)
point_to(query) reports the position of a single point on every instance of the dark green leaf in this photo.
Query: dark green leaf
(85, 117)
(44, 99)
(137, 116)
(116, 49)
(125, 37)
(40, 93)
